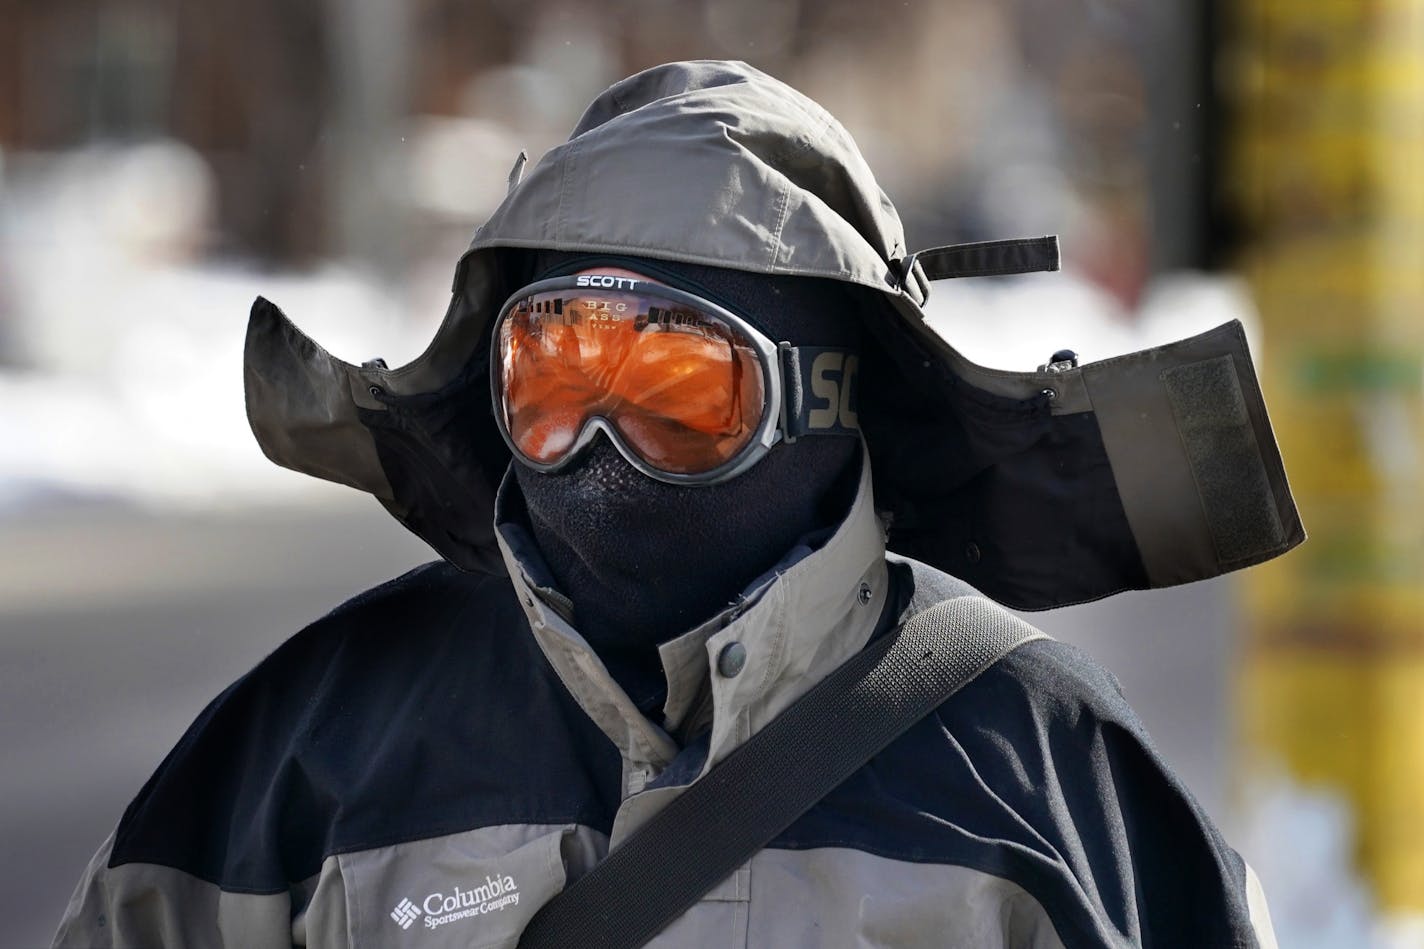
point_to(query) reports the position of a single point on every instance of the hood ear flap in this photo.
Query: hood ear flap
(302, 404)
(432, 456)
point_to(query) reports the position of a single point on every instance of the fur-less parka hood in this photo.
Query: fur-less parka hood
(1040, 488)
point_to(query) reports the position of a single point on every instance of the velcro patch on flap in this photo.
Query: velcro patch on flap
(1225, 460)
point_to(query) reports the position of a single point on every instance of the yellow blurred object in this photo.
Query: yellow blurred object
(1327, 165)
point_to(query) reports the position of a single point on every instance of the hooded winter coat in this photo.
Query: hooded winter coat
(436, 759)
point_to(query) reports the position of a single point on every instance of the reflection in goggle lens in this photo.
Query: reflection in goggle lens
(683, 388)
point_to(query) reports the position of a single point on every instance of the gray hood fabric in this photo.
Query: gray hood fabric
(1040, 488)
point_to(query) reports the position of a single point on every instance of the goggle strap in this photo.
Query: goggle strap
(819, 391)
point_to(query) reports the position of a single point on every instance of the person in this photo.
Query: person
(682, 400)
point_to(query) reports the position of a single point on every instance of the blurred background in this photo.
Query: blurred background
(162, 163)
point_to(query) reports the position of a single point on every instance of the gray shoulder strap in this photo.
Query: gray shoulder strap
(738, 807)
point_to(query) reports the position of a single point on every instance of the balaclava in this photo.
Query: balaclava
(643, 560)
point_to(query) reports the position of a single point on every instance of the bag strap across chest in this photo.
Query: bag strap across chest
(739, 806)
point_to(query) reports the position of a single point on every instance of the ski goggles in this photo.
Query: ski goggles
(686, 390)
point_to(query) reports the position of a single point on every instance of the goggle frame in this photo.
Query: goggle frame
(770, 430)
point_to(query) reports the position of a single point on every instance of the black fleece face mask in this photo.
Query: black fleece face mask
(644, 561)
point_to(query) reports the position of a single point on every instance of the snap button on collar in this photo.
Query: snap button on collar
(731, 660)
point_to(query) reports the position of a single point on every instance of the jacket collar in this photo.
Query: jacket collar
(796, 624)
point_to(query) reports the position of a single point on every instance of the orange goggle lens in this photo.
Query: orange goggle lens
(684, 388)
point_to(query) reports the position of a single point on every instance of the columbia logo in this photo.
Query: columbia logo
(405, 913)
(496, 893)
